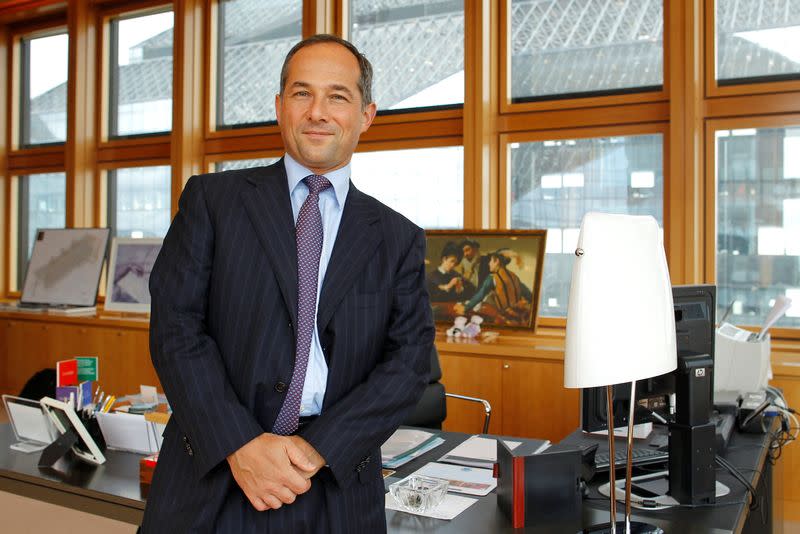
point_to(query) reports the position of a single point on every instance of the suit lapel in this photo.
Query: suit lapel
(269, 207)
(356, 241)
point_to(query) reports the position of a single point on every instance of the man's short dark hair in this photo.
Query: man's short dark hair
(469, 243)
(365, 67)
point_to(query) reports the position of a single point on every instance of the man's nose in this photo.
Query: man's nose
(317, 111)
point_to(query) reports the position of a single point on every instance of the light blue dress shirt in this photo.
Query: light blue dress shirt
(331, 205)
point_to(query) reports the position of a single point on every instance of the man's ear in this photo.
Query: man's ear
(278, 107)
(369, 115)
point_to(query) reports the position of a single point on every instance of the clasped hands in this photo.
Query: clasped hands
(273, 470)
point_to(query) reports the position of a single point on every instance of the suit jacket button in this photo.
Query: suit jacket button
(280, 387)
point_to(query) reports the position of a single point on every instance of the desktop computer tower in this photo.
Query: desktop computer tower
(692, 437)
(692, 453)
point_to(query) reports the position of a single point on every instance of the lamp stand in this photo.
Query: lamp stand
(627, 526)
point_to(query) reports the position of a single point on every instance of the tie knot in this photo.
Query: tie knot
(316, 183)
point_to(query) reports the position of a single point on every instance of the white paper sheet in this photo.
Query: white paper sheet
(449, 508)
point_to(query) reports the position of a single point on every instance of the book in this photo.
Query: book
(67, 373)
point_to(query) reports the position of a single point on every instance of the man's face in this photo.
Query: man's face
(448, 263)
(320, 112)
(469, 252)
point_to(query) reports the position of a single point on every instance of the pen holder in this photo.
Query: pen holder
(741, 365)
(93, 427)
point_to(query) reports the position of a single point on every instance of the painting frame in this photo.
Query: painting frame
(512, 260)
(122, 248)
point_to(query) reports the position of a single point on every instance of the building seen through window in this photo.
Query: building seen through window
(43, 94)
(758, 223)
(555, 183)
(140, 96)
(562, 48)
(416, 48)
(42, 200)
(251, 50)
(139, 201)
(757, 41)
(235, 164)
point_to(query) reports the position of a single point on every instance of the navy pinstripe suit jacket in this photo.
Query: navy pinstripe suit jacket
(222, 337)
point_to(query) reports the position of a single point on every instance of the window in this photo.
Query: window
(424, 184)
(563, 48)
(140, 96)
(416, 48)
(42, 204)
(756, 42)
(250, 42)
(139, 201)
(43, 95)
(234, 164)
(758, 222)
(555, 182)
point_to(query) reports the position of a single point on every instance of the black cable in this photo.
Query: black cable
(735, 473)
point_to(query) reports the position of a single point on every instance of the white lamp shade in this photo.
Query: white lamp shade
(620, 319)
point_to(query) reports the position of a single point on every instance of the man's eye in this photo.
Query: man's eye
(301, 93)
(339, 97)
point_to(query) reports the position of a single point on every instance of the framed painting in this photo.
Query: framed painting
(129, 266)
(496, 274)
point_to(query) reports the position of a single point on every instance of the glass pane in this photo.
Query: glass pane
(251, 42)
(758, 223)
(757, 41)
(235, 164)
(141, 75)
(567, 48)
(424, 184)
(139, 201)
(416, 48)
(44, 90)
(42, 204)
(555, 183)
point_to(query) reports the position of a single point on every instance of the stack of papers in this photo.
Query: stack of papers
(481, 452)
(405, 445)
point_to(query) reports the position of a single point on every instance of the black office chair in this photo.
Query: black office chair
(431, 410)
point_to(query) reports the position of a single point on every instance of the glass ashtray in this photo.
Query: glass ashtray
(419, 494)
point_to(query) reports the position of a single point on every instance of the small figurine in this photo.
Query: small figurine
(457, 328)
(474, 326)
(461, 328)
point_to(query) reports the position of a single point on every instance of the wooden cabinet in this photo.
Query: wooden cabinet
(523, 380)
(30, 343)
(786, 369)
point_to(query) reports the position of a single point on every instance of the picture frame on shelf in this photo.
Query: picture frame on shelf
(129, 265)
(495, 274)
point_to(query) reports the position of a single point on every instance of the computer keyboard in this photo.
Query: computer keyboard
(641, 456)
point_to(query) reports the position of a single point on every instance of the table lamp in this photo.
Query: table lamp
(620, 323)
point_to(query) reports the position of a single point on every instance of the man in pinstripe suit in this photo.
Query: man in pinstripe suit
(227, 317)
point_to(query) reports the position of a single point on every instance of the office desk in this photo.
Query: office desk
(112, 490)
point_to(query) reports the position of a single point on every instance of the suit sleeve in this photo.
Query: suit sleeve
(188, 362)
(359, 423)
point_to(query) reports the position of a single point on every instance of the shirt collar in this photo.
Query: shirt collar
(339, 179)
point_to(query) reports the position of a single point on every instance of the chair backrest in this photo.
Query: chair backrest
(431, 410)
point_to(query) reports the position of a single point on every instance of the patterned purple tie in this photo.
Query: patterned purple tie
(308, 234)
